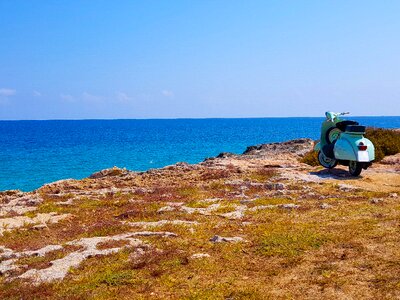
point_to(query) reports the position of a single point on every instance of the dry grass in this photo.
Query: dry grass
(263, 174)
(290, 242)
(347, 251)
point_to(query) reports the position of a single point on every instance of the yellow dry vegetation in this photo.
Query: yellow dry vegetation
(347, 249)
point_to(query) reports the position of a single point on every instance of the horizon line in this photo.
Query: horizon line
(184, 118)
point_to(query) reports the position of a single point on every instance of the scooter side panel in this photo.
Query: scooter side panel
(370, 149)
(345, 148)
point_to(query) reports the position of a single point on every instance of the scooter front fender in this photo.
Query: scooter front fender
(317, 147)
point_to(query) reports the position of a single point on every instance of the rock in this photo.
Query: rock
(325, 206)
(66, 203)
(250, 149)
(247, 201)
(236, 214)
(8, 258)
(154, 233)
(221, 239)
(225, 155)
(376, 200)
(5, 252)
(11, 193)
(40, 252)
(199, 255)
(175, 204)
(234, 182)
(127, 214)
(7, 266)
(19, 204)
(59, 268)
(142, 191)
(346, 187)
(391, 160)
(297, 147)
(202, 211)
(166, 209)
(256, 184)
(260, 207)
(171, 206)
(210, 200)
(182, 164)
(275, 186)
(178, 166)
(161, 223)
(208, 160)
(289, 206)
(279, 193)
(138, 258)
(109, 172)
(16, 210)
(21, 221)
(139, 252)
(39, 227)
(393, 195)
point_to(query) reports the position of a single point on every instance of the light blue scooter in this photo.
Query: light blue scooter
(343, 142)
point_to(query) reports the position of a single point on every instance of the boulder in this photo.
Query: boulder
(109, 173)
(221, 239)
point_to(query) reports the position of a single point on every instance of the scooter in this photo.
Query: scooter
(343, 142)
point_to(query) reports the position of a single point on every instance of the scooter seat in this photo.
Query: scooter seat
(342, 125)
(355, 129)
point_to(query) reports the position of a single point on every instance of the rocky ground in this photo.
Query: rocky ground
(254, 226)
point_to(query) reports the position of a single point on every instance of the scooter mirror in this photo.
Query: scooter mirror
(330, 116)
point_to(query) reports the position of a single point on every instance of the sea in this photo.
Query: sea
(33, 153)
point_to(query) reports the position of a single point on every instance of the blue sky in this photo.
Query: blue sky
(176, 59)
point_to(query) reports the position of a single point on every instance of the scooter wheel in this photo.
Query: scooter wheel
(325, 161)
(355, 168)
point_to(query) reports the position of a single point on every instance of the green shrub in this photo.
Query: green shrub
(386, 141)
(310, 158)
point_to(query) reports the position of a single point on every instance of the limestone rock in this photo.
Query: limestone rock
(200, 255)
(161, 223)
(221, 239)
(325, 206)
(294, 147)
(109, 172)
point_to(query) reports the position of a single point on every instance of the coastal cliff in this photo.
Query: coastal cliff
(252, 226)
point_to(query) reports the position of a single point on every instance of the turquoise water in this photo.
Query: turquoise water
(33, 153)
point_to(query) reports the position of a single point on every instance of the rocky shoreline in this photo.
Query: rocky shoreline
(235, 211)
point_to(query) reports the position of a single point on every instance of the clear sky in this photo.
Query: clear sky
(176, 59)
